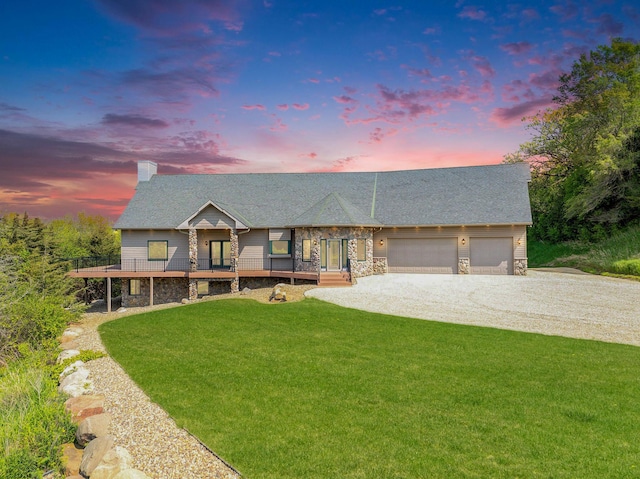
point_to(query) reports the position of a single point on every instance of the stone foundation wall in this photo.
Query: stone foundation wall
(165, 290)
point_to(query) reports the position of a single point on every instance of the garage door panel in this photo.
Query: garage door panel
(491, 255)
(422, 255)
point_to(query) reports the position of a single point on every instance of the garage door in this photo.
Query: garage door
(420, 255)
(491, 255)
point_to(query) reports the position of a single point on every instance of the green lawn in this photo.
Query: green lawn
(313, 390)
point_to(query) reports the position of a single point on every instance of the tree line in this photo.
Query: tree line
(585, 151)
(37, 299)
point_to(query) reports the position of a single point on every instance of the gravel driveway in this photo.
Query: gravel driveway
(547, 302)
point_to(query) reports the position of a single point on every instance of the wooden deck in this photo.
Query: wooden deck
(115, 272)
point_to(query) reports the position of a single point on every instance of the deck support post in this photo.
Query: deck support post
(150, 290)
(108, 294)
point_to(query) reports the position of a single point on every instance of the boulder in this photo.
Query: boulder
(69, 353)
(245, 290)
(77, 383)
(278, 293)
(93, 427)
(68, 345)
(82, 407)
(68, 335)
(131, 474)
(72, 457)
(185, 301)
(121, 309)
(94, 453)
(72, 368)
(113, 462)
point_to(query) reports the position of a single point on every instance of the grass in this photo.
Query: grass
(313, 390)
(600, 257)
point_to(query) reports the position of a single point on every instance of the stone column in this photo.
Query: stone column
(193, 250)
(193, 289)
(235, 252)
(520, 267)
(463, 266)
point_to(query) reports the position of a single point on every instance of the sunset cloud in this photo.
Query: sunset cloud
(300, 106)
(516, 48)
(253, 107)
(136, 121)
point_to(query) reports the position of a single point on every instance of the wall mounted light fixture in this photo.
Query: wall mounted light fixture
(315, 242)
(519, 242)
(464, 241)
(381, 242)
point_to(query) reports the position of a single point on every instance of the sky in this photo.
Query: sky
(89, 88)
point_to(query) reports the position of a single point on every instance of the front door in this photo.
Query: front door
(334, 262)
(220, 254)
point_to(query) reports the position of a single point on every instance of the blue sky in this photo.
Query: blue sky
(89, 88)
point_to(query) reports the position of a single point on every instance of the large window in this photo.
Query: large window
(361, 247)
(158, 250)
(134, 287)
(280, 247)
(306, 250)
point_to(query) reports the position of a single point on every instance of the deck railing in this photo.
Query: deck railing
(116, 263)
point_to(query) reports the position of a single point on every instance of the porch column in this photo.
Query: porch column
(150, 290)
(193, 250)
(235, 252)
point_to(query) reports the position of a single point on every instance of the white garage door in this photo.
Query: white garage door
(491, 255)
(421, 255)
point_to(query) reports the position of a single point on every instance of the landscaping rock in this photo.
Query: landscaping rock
(69, 353)
(93, 427)
(69, 335)
(121, 310)
(278, 293)
(77, 383)
(72, 458)
(82, 407)
(72, 368)
(94, 453)
(185, 301)
(245, 291)
(114, 461)
(131, 474)
(68, 345)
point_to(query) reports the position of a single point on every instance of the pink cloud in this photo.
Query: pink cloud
(344, 99)
(313, 80)
(505, 117)
(253, 107)
(278, 124)
(473, 13)
(516, 48)
(607, 25)
(311, 156)
(483, 66)
(567, 10)
(300, 106)
(283, 107)
(530, 14)
(430, 31)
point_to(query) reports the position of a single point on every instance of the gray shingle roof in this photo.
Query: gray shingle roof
(477, 195)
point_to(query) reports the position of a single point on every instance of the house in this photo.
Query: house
(190, 235)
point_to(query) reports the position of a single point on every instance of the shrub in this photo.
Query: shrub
(33, 421)
(627, 266)
(84, 356)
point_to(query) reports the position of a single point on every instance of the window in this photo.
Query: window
(361, 248)
(158, 250)
(306, 250)
(280, 247)
(323, 253)
(203, 288)
(134, 287)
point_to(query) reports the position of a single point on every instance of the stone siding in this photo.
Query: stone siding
(358, 268)
(520, 267)
(463, 266)
(193, 249)
(165, 290)
(380, 265)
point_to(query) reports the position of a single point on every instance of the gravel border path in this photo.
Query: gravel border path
(157, 445)
(559, 303)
